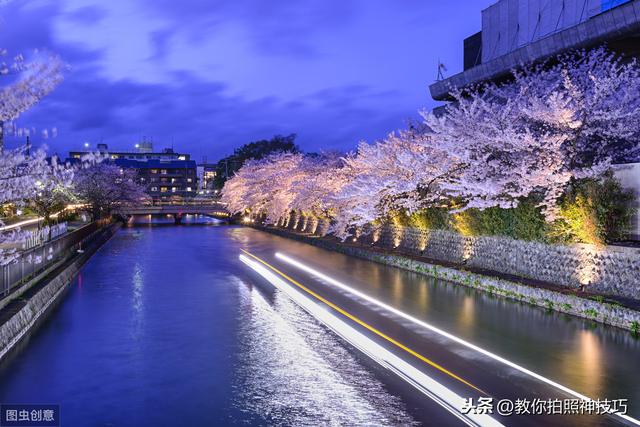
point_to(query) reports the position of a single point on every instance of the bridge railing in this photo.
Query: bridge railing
(186, 203)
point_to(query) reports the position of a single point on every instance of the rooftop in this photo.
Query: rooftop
(155, 163)
(616, 22)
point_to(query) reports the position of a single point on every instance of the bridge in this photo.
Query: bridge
(178, 210)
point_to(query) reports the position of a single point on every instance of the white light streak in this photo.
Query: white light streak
(438, 331)
(425, 384)
(35, 220)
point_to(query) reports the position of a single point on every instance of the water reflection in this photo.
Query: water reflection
(584, 362)
(292, 372)
(466, 313)
(137, 300)
(168, 219)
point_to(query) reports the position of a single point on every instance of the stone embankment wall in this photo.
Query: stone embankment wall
(37, 305)
(598, 310)
(608, 270)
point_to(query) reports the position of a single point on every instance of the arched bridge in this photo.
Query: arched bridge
(178, 210)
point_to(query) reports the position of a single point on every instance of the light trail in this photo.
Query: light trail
(35, 220)
(439, 331)
(367, 326)
(418, 379)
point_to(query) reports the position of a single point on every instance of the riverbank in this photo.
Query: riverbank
(622, 313)
(22, 310)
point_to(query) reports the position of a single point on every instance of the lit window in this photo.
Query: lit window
(173, 180)
(182, 158)
(188, 188)
(163, 171)
(154, 188)
(154, 170)
(163, 189)
(188, 179)
(173, 189)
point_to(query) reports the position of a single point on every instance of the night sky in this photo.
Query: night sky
(210, 75)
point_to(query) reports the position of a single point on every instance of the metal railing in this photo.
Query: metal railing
(33, 261)
(43, 235)
(187, 202)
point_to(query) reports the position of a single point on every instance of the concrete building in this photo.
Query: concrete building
(143, 152)
(517, 32)
(207, 173)
(167, 175)
(165, 180)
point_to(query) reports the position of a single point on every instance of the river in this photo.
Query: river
(164, 326)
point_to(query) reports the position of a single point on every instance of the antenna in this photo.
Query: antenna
(441, 69)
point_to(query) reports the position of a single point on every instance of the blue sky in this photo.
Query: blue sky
(210, 75)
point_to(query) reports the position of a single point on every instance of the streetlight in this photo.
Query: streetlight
(86, 145)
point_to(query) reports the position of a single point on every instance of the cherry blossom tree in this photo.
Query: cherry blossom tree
(29, 82)
(318, 178)
(53, 189)
(554, 123)
(285, 182)
(25, 83)
(405, 171)
(108, 188)
(264, 186)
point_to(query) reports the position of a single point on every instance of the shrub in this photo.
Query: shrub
(430, 219)
(524, 222)
(594, 212)
(591, 211)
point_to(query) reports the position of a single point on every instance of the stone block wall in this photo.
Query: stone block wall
(609, 270)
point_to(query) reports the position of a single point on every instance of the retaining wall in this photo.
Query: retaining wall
(607, 270)
(600, 311)
(14, 329)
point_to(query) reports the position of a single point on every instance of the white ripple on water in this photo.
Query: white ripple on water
(293, 371)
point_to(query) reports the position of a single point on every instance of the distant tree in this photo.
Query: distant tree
(257, 150)
(53, 190)
(107, 188)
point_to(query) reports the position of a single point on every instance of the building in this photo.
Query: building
(165, 179)
(167, 175)
(207, 173)
(516, 32)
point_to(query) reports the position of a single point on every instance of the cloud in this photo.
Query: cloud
(209, 75)
(276, 28)
(199, 116)
(87, 15)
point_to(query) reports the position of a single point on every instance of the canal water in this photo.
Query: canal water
(164, 326)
